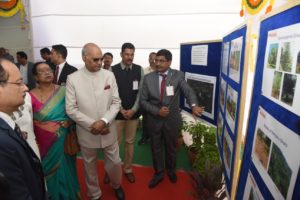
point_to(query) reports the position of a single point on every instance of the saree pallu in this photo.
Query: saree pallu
(59, 168)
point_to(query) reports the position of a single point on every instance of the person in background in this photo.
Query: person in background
(18, 163)
(4, 53)
(147, 70)
(23, 117)
(59, 55)
(107, 60)
(51, 126)
(25, 68)
(92, 101)
(46, 55)
(129, 77)
(160, 99)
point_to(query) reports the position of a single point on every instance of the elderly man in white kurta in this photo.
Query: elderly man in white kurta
(92, 101)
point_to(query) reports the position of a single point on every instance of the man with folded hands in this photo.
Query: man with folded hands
(92, 101)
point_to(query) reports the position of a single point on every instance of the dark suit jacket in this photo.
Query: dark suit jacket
(20, 166)
(150, 99)
(30, 76)
(67, 69)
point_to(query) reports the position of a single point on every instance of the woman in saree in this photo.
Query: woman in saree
(51, 125)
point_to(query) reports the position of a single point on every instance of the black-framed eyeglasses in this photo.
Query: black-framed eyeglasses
(97, 59)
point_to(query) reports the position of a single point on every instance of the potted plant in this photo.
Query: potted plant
(207, 178)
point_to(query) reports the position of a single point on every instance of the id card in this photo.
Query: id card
(170, 90)
(135, 85)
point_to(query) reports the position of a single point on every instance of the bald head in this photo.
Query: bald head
(92, 57)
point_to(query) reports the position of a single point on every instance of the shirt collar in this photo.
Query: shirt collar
(8, 119)
(166, 72)
(61, 65)
(123, 66)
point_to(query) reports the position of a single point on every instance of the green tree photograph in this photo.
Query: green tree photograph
(272, 57)
(288, 88)
(286, 57)
(276, 84)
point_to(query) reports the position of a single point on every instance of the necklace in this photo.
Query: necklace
(46, 96)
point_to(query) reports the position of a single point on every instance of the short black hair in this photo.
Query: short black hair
(45, 50)
(127, 45)
(34, 68)
(108, 54)
(166, 53)
(22, 54)
(61, 49)
(3, 73)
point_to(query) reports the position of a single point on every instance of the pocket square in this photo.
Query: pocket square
(107, 87)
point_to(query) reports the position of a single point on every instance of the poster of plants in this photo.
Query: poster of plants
(235, 59)
(220, 124)
(281, 76)
(204, 88)
(225, 55)
(227, 151)
(273, 154)
(252, 191)
(222, 94)
(231, 107)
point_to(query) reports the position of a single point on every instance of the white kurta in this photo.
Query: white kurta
(91, 96)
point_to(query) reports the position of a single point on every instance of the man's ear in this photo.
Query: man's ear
(84, 58)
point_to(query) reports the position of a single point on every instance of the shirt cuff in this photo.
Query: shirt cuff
(106, 121)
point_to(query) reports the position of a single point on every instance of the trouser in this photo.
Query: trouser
(112, 165)
(129, 127)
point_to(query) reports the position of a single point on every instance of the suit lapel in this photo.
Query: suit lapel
(155, 80)
(63, 73)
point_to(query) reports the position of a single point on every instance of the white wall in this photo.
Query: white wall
(149, 25)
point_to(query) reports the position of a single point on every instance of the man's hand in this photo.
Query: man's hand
(197, 111)
(129, 114)
(97, 127)
(164, 111)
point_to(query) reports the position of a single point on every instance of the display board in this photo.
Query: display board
(270, 165)
(231, 75)
(201, 63)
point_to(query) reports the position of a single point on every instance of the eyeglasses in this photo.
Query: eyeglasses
(45, 71)
(97, 59)
(160, 61)
(20, 84)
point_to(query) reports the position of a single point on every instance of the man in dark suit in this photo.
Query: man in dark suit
(25, 68)
(160, 99)
(59, 54)
(18, 163)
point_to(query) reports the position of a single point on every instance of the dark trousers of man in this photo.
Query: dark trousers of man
(145, 134)
(163, 144)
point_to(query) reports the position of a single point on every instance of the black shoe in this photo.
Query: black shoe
(157, 178)
(143, 141)
(120, 193)
(172, 177)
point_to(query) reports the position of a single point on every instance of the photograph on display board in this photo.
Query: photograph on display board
(272, 56)
(262, 147)
(220, 124)
(222, 94)
(273, 155)
(231, 107)
(298, 63)
(225, 56)
(252, 191)
(235, 59)
(281, 76)
(204, 88)
(227, 151)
